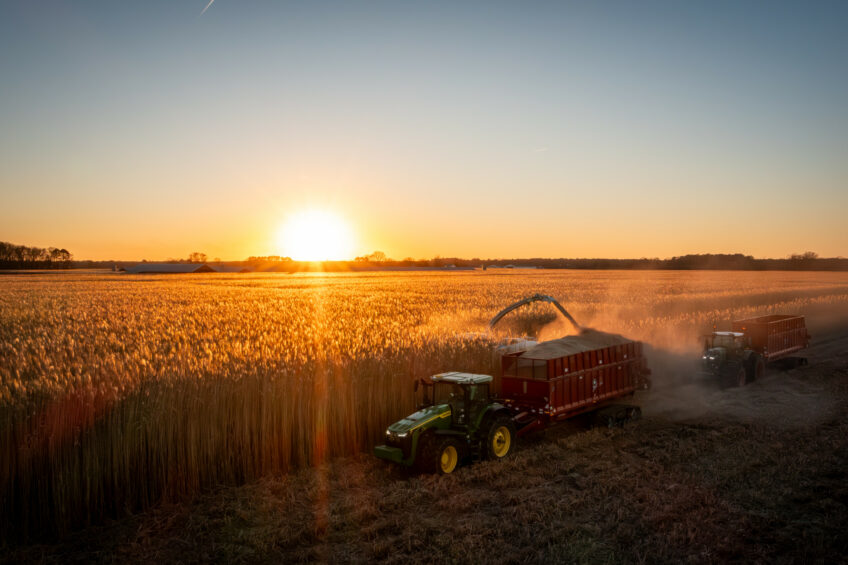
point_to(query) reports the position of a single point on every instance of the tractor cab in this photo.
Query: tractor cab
(727, 340)
(721, 347)
(465, 394)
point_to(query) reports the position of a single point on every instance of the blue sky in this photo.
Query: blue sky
(471, 129)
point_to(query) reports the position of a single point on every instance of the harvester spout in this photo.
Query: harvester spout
(528, 300)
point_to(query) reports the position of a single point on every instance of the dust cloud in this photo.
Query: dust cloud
(783, 397)
(670, 314)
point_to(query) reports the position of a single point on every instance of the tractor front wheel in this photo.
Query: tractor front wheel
(756, 368)
(447, 455)
(500, 440)
(439, 454)
(735, 376)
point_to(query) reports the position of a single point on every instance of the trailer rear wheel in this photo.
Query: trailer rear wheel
(615, 416)
(501, 438)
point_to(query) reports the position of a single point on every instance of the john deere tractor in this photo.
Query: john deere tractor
(729, 356)
(457, 420)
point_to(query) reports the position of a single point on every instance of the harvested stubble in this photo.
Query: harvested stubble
(118, 392)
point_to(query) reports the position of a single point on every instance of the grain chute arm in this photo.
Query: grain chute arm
(531, 299)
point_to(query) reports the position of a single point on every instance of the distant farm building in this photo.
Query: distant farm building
(231, 269)
(183, 268)
(169, 268)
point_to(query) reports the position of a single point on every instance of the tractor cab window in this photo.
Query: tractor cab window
(448, 393)
(452, 394)
(478, 399)
(722, 341)
(728, 341)
(479, 393)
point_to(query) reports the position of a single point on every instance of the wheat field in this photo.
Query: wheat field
(118, 391)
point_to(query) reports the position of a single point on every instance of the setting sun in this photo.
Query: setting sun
(315, 235)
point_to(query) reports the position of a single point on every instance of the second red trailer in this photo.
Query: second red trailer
(775, 336)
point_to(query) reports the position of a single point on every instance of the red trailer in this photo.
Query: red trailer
(561, 378)
(774, 336)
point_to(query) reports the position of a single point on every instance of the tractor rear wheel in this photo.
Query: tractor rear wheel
(500, 440)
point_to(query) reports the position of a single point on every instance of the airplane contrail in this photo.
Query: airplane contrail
(207, 7)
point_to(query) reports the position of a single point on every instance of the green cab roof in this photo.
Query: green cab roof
(461, 378)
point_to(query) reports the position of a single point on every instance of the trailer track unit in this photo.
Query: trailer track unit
(564, 377)
(775, 336)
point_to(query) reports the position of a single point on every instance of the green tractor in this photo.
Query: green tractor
(458, 419)
(730, 357)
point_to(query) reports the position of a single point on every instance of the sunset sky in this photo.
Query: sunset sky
(585, 129)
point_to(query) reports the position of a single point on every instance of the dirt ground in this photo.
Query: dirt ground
(755, 475)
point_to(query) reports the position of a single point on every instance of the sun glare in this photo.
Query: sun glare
(315, 235)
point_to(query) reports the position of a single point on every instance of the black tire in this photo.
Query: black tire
(735, 376)
(447, 455)
(500, 438)
(615, 416)
(756, 368)
(431, 451)
(425, 456)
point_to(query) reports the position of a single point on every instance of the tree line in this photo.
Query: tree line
(25, 257)
(808, 261)
(13, 256)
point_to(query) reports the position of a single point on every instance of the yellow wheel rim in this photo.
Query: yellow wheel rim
(449, 459)
(501, 441)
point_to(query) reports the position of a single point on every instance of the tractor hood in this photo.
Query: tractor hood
(713, 359)
(420, 418)
(715, 354)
